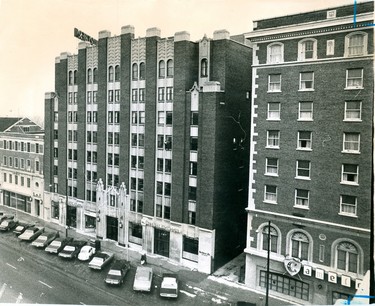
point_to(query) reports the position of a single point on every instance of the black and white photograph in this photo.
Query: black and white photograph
(187, 152)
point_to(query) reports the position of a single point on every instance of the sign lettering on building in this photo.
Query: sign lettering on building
(345, 281)
(159, 225)
(319, 274)
(332, 277)
(307, 270)
(84, 37)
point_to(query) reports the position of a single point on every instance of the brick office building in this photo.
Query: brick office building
(148, 138)
(311, 153)
(21, 159)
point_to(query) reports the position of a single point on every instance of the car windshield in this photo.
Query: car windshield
(69, 248)
(5, 223)
(55, 243)
(85, 250)
(114, 272)
(29, 231)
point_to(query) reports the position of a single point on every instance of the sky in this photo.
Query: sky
(34, 32)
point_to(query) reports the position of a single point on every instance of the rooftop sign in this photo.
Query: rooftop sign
(84, 37)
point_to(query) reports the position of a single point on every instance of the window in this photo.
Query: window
(193, 168)
(161, 69)
(110, 96)
(306, 81)
(347, 257)
(134, 117)
(10, 161)
(274, 83)
(89, 117)
(168, 142)
(190, 245)
(95, 75)
(94, 96)
(194, 118)
(161, 118)
(272, 166)
(140, 184)
(142, 71)
(192, 193)
(110, 117)
(270, 194)
(167, 189)
(303, 169)
(275, 53)
(5, 161)
(170, 68)
(305, 112)
(304, 140)
(117, 117)
(55, 118)
(116, 138)
(353, 111)
(141, 140)
(194, 143)
(299, 246)
(110, 74)
(191, 217)
(348, 205)
(356, 44)
(160, 141)
(159, 188)
(133, 161)
(134, 95)
(89, 76)
(354, 78)
(273, 139)
(167, 165)
(161, 92)
(117, 95)
(134, 140)
(273, 112)
(117, 73)
(351, 142)
(160, 164)
(349, 174)
(273, 239)
(110, 138)
(89, 97)
(70, 76)
(141, 95)
(75, 77)
(168, 119)
(16, 163)
(75, 97)
(169, 93)
(302, 198)
(135, 71)
(141, 118)
(204, 68)
(307, 49)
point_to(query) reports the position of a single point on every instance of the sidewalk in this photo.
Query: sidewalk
(224, 285)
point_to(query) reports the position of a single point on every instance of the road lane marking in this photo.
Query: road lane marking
(21, 259)
(188, 293)
(82, 303)
(2, 289)
(46, 284)
(11, 266)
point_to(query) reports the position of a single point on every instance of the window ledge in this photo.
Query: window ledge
(351, 152)
(305, 120)
(307, 89)
(303, 178)
(349, 183)
(301, 207)
(274, 91)
(273, 119)
(348, 215)
(269, 202)
(270, 174)
(304, 149)
(352, 120)
(353, 88)
(273, 148)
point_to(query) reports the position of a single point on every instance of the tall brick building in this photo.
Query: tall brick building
(147, 143)
(311, 153)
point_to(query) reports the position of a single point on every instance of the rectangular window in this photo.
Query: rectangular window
(159, 188)
(348, 205)
(5, 161)
(168, 165)
(303, 169)
(304, 140)
(270, 194)
(117, 95)
(110, 138)
(16, 163)
(306, 81)
(194, 118)
(169, 93)
(161, 118)
(110, 117)
(192, 193)
(302, 198)
(354, 78)
(356, 44)
(273, 139)
(94, 116)
(161, 93)
(272, 166)
(192, 217)
(194, 143)
(110, 96)
(94, 96)
(274, 82)
(141, 140)
(349, 174)
(140, 162)
(141, 95)
(305, 112)
(70, 98)
(75, 97)
(89, 97)
(141, 117)
(160, 164)
(116, 138)
(351, 142)
(140, 184)
(55, 116)
(134, 140)
(160, 141)
(134, 95)
(133, 161)
(167, 189)
(353, 110)
(168, 119)
(134, 117)
(273, 112)
(117, 117)
(193, 168)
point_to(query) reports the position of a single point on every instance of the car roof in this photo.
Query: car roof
(118, 264)
(141, 268)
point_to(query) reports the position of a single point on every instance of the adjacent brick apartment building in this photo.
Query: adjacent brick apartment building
(21, 159)
(311, 153)
(147, 143)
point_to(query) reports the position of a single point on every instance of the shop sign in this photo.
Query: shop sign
(292, 265)
(84, 37)
(204, 253)
(159, 225)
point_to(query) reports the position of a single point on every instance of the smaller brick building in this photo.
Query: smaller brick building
(311, 153)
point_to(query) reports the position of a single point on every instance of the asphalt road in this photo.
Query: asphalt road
(30, 275)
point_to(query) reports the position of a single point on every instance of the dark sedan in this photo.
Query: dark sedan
(117, 272)
(57, 245)
(21, 227)
(72, 249)
(7, 225)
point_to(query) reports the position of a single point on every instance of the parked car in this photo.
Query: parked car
(86, 253)
(57, 245)
(143, 279)
(169, 286)
(31, 233)
(6, 217)
(72, 249)
(8, 224)
(117, 272)
(45, 239)
(100, 260)
(21, 227)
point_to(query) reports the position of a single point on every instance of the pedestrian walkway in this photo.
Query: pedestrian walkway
(225, 285)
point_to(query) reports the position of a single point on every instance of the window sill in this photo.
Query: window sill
(273, 119)
(274, 91)
(271, 174)
(304, 149)
(352, 120)
(306, 120)
(351, 152)
(307, 89)
(353, 88)
(301, 207)
(349, 183)
(273, 148)
(348, 215)
(269, 202)
(303, 178)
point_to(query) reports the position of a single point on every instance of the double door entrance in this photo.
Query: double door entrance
(161, 242)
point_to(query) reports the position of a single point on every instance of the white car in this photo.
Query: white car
(86, 253)
(31, 233)
(169, 286)
(143, 279)
(100, 260)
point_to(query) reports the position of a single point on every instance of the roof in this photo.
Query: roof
(7, 122)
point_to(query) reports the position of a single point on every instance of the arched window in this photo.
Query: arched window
(161, 69)
(307, 49)
(117, 73)
(110, 74)
(356, 44)
(135, 71)
(142, 71)
(204, 68)
(95, 76)
(170, 68)
(75, 77)
(275, 53)
(300, 245)
(89, 76)
(70, 77)
(348, 256)
(274, 239)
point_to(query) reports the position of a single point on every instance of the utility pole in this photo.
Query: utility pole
(268, 262)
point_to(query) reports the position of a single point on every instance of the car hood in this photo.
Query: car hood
(25, 236)
(142, 284)
(83, 256)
